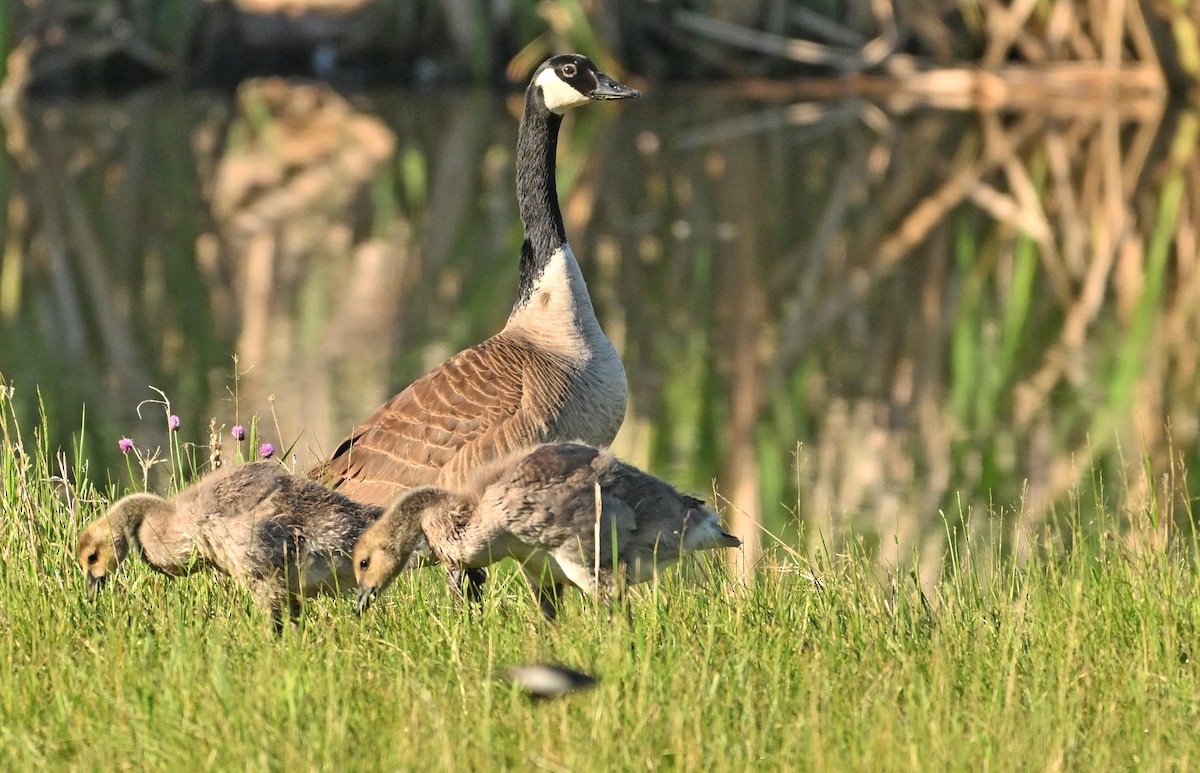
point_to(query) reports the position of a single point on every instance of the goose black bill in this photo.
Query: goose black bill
(610, 89)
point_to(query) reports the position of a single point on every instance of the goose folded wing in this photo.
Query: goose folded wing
(457, 413)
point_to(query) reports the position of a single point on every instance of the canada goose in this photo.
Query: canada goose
(283, 536)
(550, 374)
(539, 507)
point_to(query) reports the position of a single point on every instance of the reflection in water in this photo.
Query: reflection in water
(841, 317)
(302, 256)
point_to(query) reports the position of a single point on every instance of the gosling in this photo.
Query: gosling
(540, 507)
(282, 536)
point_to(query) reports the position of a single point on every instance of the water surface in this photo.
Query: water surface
(839, 315)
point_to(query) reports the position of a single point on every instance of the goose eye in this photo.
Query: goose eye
(569, 70)
(93, 558)
(364, 563)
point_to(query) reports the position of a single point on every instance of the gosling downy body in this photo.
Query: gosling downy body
(283, 536)
(550, 374)
(540, 506)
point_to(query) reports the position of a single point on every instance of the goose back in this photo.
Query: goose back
(502, 395)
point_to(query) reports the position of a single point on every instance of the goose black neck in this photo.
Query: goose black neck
(537, 194)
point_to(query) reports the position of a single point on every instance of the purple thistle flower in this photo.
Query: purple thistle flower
(266, 450)
(125, 444)
(173, 422)
(239, 432)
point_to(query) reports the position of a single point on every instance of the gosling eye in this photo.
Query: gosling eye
(364, 564)
(569, 70)
(93, 558)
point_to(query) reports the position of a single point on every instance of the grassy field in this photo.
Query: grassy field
(1081, 658)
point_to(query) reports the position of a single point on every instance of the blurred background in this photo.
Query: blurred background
(922, 273)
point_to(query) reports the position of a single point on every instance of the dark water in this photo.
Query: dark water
(840, 316)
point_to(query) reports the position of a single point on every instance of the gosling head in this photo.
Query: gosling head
(383, 550)
(106, 542)
(571, 80)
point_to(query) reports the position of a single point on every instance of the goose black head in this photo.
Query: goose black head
(571, 80)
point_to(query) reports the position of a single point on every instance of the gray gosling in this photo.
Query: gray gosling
(540, 507)
(282, 536)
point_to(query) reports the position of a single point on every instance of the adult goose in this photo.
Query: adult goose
(564, 510)
(284, 537)
(550, 374)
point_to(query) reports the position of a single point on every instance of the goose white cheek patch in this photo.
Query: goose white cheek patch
(559, 95)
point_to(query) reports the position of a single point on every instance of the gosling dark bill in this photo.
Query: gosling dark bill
(547, 680)
(366, 597)
(95, 585)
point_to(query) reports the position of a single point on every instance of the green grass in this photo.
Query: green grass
(1080, 658)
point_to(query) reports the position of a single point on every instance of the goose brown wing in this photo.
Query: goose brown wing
(466, 412)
